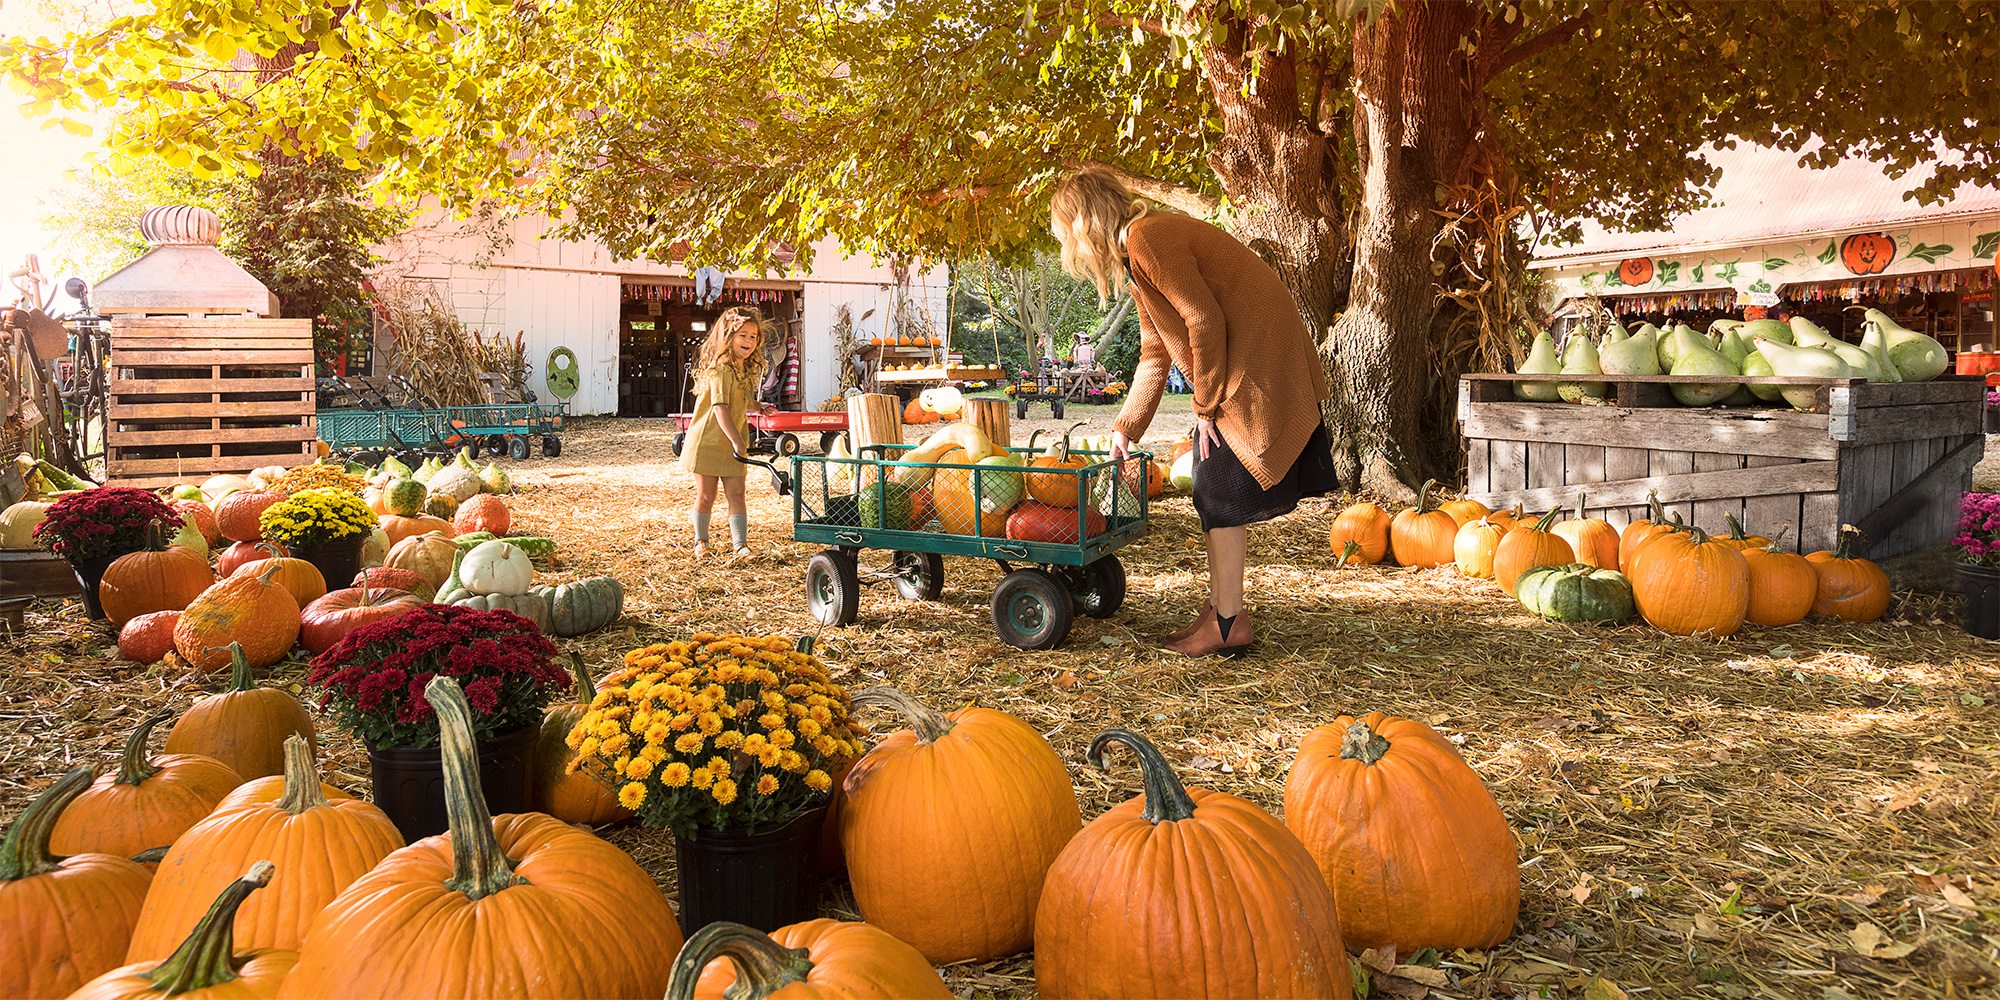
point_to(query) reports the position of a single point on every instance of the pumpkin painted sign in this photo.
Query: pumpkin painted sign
(1867, 253)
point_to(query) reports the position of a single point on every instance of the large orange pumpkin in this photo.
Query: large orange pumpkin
(429, 555)
(1465, 511)
(1867, 253)
(1232, 903)
(300, 578)
(208, 964)
(494, 904)
(67, 919)
(1642, 530)
(162, 578)
(1360, 534)
(1057, 488)
(326, 838)
(399, 527)
(1526, 546)
(1473, 547)
(974, 797)
(1407, 836)
(1422, 536)
(393, 578)
(252, 610)
(1738, 539)
(483, 512)
(328, 620)
(243, 726)
(1850, 587)
(148, 638)
(236, 514)
(1687, 583)
(145, 803)
(830, 959)
(1593, 540)
(238, 554)
(915, 413)
(1783, 585)
(570, 797)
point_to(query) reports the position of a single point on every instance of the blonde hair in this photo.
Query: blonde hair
(1089, 214)
(715, 351)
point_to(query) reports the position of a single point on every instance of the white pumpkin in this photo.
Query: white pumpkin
(375, 548)
(17, 524)
(457, 483)
(496, 567)
(1182, 473)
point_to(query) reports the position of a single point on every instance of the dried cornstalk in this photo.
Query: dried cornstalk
(434, 348)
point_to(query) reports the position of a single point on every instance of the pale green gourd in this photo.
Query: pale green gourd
(1693, 356)
(1722, 326)
(1769, 329)
(1873, 345)
(1638, 354)
(1857, 359)
(1757, 364)
(1732, 346)
(1802, 362)
(1669, 347)
(1541, 360)
(1917, 357)
(1580, 358)
(1806, 333)
(1615, 332)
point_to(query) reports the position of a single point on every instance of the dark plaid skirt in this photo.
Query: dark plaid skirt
(1226, 495)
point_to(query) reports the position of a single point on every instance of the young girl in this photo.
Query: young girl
(730, 367)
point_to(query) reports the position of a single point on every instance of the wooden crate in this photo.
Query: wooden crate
(1890, 458)
(193, 397)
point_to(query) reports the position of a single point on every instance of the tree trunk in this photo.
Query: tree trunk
(1413, 125)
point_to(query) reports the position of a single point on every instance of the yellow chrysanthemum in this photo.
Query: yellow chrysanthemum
(658, 734)
(638, 768)
(724, 791)
(674, 775)
(783, 739)
(607, 729)
(709, 723)
(792, 760)
(701, 777)
(771, 720)
(616, 743)
(574, 737)
(754, 744)
(770, 756)
(773, 699)
(681, 722)
(654, 752)
(632, 796)
(689, 742)
(823, 745)
(818, 781)
(767, 784)
(588, 748)
(719, 765)
(808, 728)
(729, 740)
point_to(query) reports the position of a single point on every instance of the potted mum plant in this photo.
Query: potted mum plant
(732, 742)
(92, 528)
(1978, 544)
(374, 680)
(1993, 411)
(325, 526)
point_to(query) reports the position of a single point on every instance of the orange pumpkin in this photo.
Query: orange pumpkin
(1422, 536)
(1850, 587)
(1593, 540)
(1473, 547)
(328, 620)
(393, 578)
(205, 965)
(914, 412)
(201, 516)
(1360, 534)
(237, 554)
(1867, 253)
(163, 578)
(1642, 530)
(1635, 270)
(253, 610)
(573, 797)
(1526, 546)
(1783, 585)
(429, 555)
(1465, 511)
(145, 803)
(1687, 583)
(1412, 844)
(244, 726)
(399, 526)
(377, 500)
(1508, 518)
(817, 958)
(1738, 540)
(67, 919)
(299, 578)
(326, 838)
(236, 514)
(1057, 489)
(1251, 917)
(484, 512)
(148, 638)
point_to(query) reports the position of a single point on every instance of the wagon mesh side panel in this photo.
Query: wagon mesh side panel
(1057, 506)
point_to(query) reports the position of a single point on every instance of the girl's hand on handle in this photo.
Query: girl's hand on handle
(1205, 434)
(1120, 445)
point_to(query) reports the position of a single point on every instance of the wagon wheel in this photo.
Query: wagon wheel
(827, 439)
(833, 587)
(680, 442)
(1020, 409)
(551, 446)
(919, 576)
(1032, 609)
(788, 445)
(1056, 408)
(1099, 588)
(496, 445)
(517, 447)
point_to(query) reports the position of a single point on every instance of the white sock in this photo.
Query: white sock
(701, 526)
(739, 530)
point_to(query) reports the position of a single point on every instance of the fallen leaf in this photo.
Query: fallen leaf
(1422, 974)
(1581, 890)
(1957, 897)
(1380, 959)
(1869, 895)
(1869, 941)
(1600, 988)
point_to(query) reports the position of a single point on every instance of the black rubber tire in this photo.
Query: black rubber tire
(412, 458)
(496, 445)
(1056, 408)
(1020, 409)
(833, 587)
(919, 575)
(827, 439)
(517, 447)
(1099, 588)
(1032, 609)
(787, 445)
(551, 446)
(680, 441)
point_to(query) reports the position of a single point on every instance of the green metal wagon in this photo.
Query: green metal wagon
(1054, 531)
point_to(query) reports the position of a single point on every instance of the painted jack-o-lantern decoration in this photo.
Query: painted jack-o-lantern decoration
(1637, 271)
(1867, 253)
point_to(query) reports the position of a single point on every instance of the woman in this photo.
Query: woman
(1213, 309)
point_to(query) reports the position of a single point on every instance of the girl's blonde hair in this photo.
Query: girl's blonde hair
(715, 350)
(1089, 214)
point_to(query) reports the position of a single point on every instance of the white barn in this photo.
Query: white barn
(633, 325)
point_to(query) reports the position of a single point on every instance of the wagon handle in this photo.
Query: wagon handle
(850, 537)
(1016, 551)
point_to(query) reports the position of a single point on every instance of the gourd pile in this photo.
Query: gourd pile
(1888, 352)
(1677, 577)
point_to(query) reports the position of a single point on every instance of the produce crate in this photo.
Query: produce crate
(1889, 458)
(192, 397)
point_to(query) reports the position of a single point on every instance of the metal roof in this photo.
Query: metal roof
(1765, 196)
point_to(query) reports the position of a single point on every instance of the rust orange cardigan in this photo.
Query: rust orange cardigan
(1216, 311)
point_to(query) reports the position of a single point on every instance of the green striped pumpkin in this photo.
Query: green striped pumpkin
(1577, 592)
(583, 606)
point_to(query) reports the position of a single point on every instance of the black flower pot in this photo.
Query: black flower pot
(1993, 421)
(338, 561)
(409, 783)
(1981, 587)
(89, 574)
(765, 880)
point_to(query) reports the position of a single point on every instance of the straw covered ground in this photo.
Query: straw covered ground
(1811, 812)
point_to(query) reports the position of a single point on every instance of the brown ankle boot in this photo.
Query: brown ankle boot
(1207, 639)
(1207, 611)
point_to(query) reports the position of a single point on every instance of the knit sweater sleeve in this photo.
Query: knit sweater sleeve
(1149, 379)
(1169, 265)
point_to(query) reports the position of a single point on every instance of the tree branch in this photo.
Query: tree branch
(1553, 37)
(1151, 26)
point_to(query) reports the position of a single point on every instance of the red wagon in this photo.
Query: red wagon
(780, 432)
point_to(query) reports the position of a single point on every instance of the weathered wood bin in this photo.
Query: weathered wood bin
(1890, 458)
(192, 397)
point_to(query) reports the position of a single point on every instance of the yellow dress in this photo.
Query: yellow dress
(707, 451)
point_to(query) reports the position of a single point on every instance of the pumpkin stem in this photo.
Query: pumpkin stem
(1735, 528)
(479, 867)
(302, 791)
(1167, 800)
(1658, 513)
(1850, 536)
(1700, 536)
(586, 687)
(270, 551)
(239, 669)
(133, 767)
(25, 852)
(763, 966)
(208, 957)
(1347, 551)
(1363, 744)
(1424, 495)
(1548, 519)
(1777, 540)
(927, 724)
(1580, 506)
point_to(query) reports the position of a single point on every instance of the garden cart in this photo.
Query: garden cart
(508, 428)
(779, 433)
(1054, 529)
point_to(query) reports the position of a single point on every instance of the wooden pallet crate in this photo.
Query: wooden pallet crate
(1889, 458)
(192, 397)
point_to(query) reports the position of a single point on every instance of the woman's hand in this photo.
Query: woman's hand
(767, 408)
(1120, 445)
(1204, 435)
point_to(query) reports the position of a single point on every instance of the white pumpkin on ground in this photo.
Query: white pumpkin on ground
(17, 524)
(1181, 474)
(496, 567)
